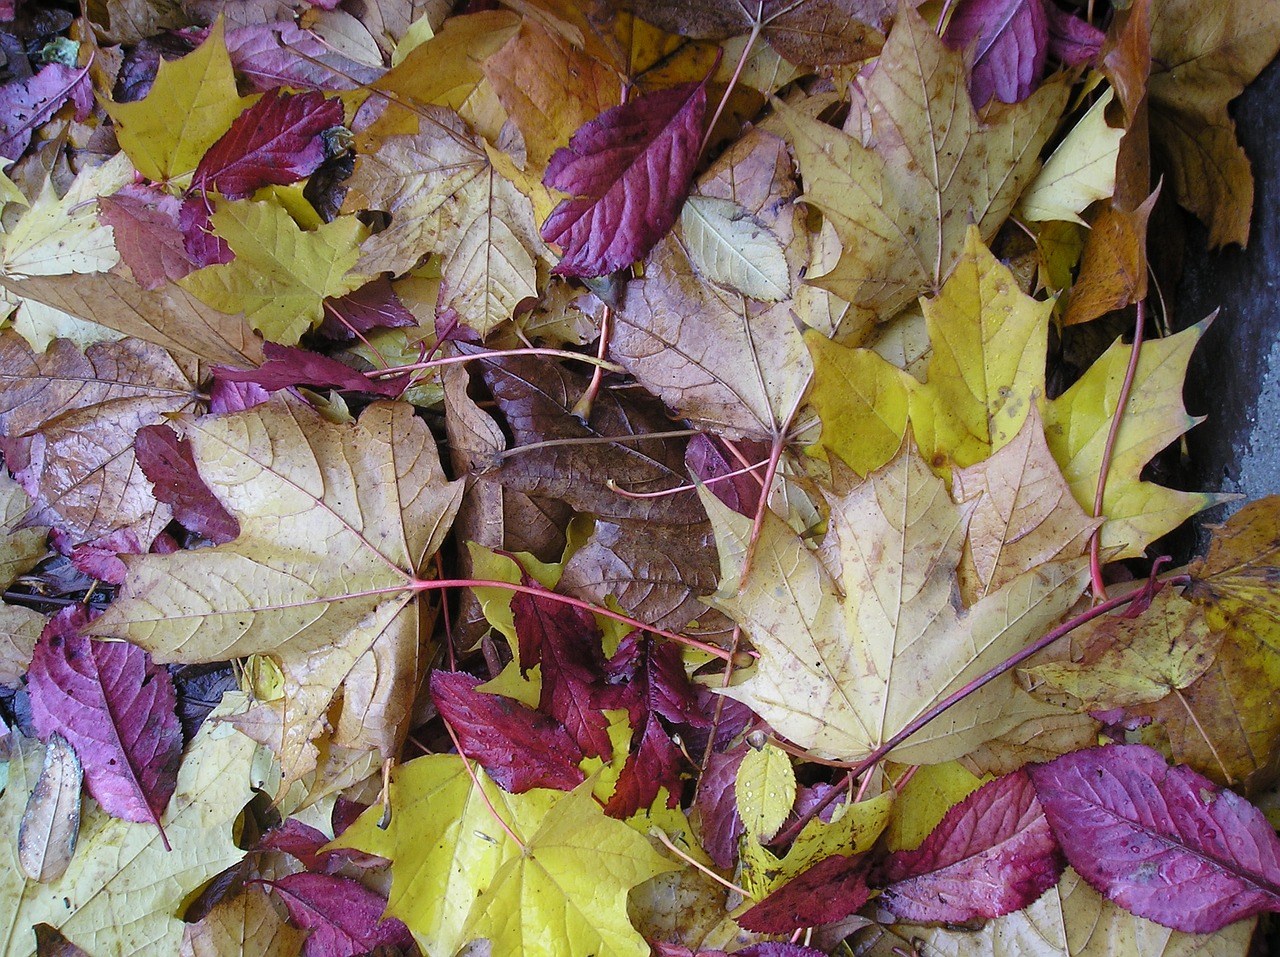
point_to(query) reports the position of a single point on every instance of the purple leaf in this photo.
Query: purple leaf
(829, 891)
(566, 642)
(202, 245)
(235, 396)
(707, 458)
(147, 233)
(287, 366)
(374, 305)
(343, 915)
(1012, 41)
(168, 463)
(1071, 40)
(519, 748)
(268, 55)
(629, 171)
(715, 806)
(1164, 843)
(116, 708)
(274, 142)
(992, 854)
(774, 948)
(26, 104)
(303, 842)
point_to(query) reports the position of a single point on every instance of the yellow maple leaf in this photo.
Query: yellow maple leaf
(555, 883)
(901, 205)
(1078, 422)
(861, 637)
(281, 274)
(336, 521)
(985, 373)
(191, 104)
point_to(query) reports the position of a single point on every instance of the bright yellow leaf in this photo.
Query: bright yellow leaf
(765, 789)
(191, 104)
(281, 274)
(1082, 169)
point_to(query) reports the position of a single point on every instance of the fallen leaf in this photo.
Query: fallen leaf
(281, 274)
(829, 891)
(732, 248)
(1010, 42)
(245, 924)
(20, 549)
(992, 854)
(51, 822)
(1113, 267)
(336, 521)
(1077, 424)
(765, 790)
(628, 172)
(269, 55)
(144, 222)
(902, 207)
(276, 140)
(116, 708)
(167, 462)
(1164, 843)
(342, 916)
(1081, 169)
(289, 366)
(859, 641)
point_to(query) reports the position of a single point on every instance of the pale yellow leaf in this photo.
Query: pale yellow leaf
(731, 247)
(765, 789)
(1081, 170)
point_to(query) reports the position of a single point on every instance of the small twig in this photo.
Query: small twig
(599, 440)
(613, 486)
(661, 835)
(733, 80)
(582, 408)
(471, 773)
(497, 354)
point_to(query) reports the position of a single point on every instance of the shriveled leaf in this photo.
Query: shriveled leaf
(51, 823)
(1025, 513)
(901, 208)
(277, 140)
(992, 854)
(342, 916)
(628, 172)
(336, 522)
(1010, 41)
(568, 881)
(116, 708)
(1129, 661)
(1077, 424)
(518, 747)
(69, 420)
(1164, 843)
(192, 103)
(1082, 169)
(730, 247)
(843, 667)
(281, 274)
(245, 924)
(1199, 64)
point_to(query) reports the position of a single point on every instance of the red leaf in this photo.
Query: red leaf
(629, 171)
(116, 708)
(287, 366)
(775, 948)
(343, 915)
(274, 142)
(829, 891)
(566, 641)
(656, 686)
(992, 854)
(1012, 40)
(303, 842)
(1071, 40)
(707, 458)
(167, 462)
(147, 233)
(1164, 843)
(374, 305)
(519, 748)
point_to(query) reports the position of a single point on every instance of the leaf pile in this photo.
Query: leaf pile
(594, 477)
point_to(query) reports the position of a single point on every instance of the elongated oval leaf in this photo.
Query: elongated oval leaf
(629, 171)
(1164, 843)
(51, 822)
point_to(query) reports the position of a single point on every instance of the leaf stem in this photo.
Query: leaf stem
(661, 835)
(1122, 401)
(497, 354)
(475, 780)
(733, 82)
(613, 486)
(599, 440)
(1144, 594)
(582, 408)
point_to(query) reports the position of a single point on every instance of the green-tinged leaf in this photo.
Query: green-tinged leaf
(731, 247)
(765, 789)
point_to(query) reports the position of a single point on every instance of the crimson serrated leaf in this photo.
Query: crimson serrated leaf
(518, 747)
(707, 458)
(1164, 843)
(992, 854)
(343, 916)
(144, 221)
(167, 462)
(274, 142)
(288, 366)
(564, 639)
(647, 678)
(1011, 38)
(628, 171)
(829, 891)
(304, 842)
(116, 708)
